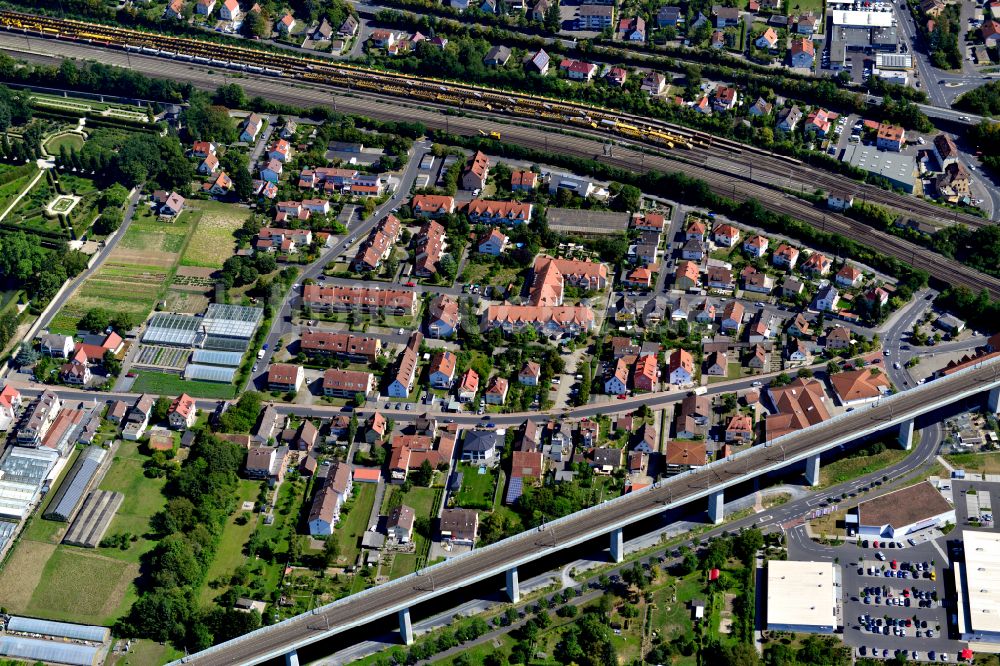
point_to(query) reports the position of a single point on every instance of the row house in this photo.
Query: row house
(347, 383)
(406, 368)
(378, 246)
(358, 348)
(429, 246)
(432, 205)
(483, 211)
(369, 300)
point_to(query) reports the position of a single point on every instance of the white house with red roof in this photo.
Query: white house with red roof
(756, 246)
(578, 70)
(10, 407)
(230, 11)
(182, 413)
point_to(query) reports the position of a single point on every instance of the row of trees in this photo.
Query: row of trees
(202, 495)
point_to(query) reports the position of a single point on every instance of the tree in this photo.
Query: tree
(729, 402)
(160, 410)
(352, 429)
(631, 198)
(231, 95)
(424, 474)
(108, 222)
(747, 543)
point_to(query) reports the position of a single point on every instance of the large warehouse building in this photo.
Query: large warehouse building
(904, 511)
(977, 590)
(899, 169)
(803, 596)
(860, 31)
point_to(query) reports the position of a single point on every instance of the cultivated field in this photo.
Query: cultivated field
(134, 277)
(213, 242)
(23, 573)
(79, 586)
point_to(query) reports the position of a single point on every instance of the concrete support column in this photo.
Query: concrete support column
(292, 658)
(405, 627)
(812, 470)
(617, 546)
(513, 589)
(993, 400)
(716, 510)
(906, 435)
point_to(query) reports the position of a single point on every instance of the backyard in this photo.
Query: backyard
(229, 554)
(477, 489)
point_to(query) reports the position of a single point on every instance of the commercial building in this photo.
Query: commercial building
(803, 596)
(901, 512)
(860, 31)
(899, 170)
(977, 596)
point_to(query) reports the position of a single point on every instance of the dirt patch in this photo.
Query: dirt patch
(23, 573)
(184, 301)
(143, 257)
(196, 271)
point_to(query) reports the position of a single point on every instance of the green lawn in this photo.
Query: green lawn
(67, 140)
(348, 532)
(987, 463)
(229, 554)
(421, 500)
(163, 383)
(402, 565)
(846, 469)
(143, 498)
(477, 489)
(79, 586)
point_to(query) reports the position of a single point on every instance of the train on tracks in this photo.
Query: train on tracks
(317, 70)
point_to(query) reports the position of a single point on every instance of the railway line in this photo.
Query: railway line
(459, 95)
(538, 135)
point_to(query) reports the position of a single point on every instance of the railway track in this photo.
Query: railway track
(644, 130)
(386, 107)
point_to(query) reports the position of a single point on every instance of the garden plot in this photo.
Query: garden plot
(213, 241)
(161, 358)
(63, 203)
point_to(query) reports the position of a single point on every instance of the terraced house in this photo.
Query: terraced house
(484, 211)
(367, 300)
(344, 345)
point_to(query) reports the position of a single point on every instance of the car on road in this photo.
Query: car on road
(411, 283)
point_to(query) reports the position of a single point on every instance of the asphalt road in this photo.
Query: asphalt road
(282, 322)
(576, 528)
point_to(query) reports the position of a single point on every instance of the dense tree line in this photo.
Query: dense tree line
(983, 100)
(130, 158)
(202, 494)
(40, 271)
(93, 77)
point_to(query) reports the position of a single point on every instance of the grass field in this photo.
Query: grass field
(162, 383)
(145, 653)
(846, 469)
(213, 242)
(421, 500)
(229, 554)
(986, 463)
(79, 586)
(10, 190)
(143, 498)
(67, 140)
(477, 489)
(348, 532)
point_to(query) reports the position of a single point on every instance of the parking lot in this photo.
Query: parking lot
(894, 600)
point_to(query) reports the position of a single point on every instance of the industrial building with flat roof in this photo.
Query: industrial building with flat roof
(903, 511)
(977, 589)
(860, 31)
(803, 596)
(23, 471)
(900, 170)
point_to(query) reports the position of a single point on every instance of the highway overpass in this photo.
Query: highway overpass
(708, 482)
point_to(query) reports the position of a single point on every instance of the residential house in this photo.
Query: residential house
(849, 276)
(717, 365)
(945, 151)
(594, 17)
(375, 428)
(739, 428)
(680, 368)
(789, 118)
(285, 377)
(654, 83)
(704, 312)
(632, 29)
(799, 327)
(606, 460)
(693, 416)
(174, 10)
(530, 374)
(644, 375)
(826, 299)
(955, 183)
(57, 346)
(357, 348)
(272, 170)
(756, 246)
(523, 180)
(267, 463)
(725, 235)
(858, 387)
(732, 317)
(432, 205)
(616, 76)
(757, 358)
(802, 53)
(817, 264)
(428, 245)
(459, 526)
(399, 524)
(204, 7)
(443, 316)
(725, 98)
(496, 391)
(182, 413)
(476, 171)
(725, 17)
(617, 382)
(687, 275)
(757, 281)
(719, 277)
(767, 40)
(230, 11)
(250, 128)
(877, 296)
(716, 41)
(497, 56)
(839, 200)
(484, 211)
(330, 499)
(693, 250)
(760, 108)
(209, 165)
(668, 16)
(538, 63)
(818, 121)
(797, 351)
(481, 446)
(525, 467)
(442, 370)
(468, 386)
(890, 137)
(838, 337)
(10, 407)
(682, 455)
(382, 39)
(798, 404)
(347, 383)
(791, 287)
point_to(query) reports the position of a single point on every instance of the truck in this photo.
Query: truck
(260, 354)
(701, 390)
(492, 135)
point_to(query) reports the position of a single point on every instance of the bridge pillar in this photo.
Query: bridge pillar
(993, 400)
(292, 658)
(513, 588)
(812, 470)
(716, 510)
(617, 545)
(906, 435)
(405, 627)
